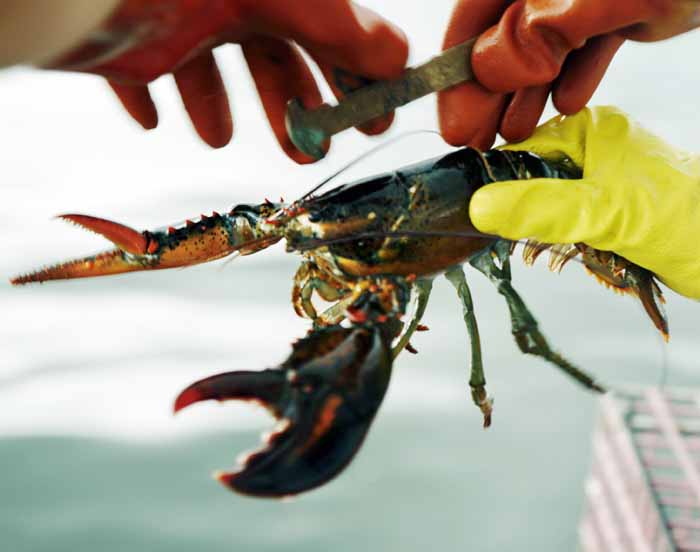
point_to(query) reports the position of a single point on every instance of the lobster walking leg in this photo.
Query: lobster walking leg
(310, 279)
(423, 287)
(336, 313)
(477, 380)
(523, 324)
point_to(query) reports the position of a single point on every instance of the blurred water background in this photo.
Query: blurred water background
(90, 455)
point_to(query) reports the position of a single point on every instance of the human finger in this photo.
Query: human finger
(340, 32)
(550, 210)
(204, 97)
(468, 113)
(523, 113)
(342, 83)
(533, 38)
(137, 101)
(280, 74)
(582, 72)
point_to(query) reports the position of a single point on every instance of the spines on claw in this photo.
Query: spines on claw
(135, 251)
(102, 264)
(125, 238)
(130, 243)
(212, 237)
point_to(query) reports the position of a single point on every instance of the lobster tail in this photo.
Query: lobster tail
(652, 300)
(612, 271)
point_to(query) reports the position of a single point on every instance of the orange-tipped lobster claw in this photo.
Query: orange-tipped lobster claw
(125, 238)
(324, 396)
(243, 229)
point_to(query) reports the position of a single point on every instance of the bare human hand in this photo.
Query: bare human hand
(144, 39)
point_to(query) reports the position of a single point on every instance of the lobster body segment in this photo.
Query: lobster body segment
(417, 217)
(368, 248)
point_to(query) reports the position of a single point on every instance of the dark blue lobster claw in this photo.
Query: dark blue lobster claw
(325, 396)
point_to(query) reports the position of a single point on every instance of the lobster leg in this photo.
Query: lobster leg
(310, 279)
(423, 288)
(524, 326)
(477, 381)
(335, 314)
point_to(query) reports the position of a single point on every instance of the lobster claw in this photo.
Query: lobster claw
(213, 237)
(324, 396)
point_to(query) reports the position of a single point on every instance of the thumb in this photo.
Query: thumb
(550, 210)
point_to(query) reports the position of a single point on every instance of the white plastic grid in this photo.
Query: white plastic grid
(643, 493)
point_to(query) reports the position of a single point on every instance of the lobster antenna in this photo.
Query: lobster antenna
(364, 156)
(228, 261)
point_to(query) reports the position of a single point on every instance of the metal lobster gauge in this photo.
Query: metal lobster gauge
(643, 493)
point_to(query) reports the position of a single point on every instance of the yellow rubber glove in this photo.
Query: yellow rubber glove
(639, 196)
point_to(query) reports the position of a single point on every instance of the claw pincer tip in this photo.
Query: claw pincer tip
(186, 398)
(339, 379)
(122, 236)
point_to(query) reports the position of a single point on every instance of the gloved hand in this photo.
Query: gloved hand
(532, 46)
(144, 39)
(638, 197)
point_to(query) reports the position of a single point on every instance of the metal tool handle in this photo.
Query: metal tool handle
(308, 129)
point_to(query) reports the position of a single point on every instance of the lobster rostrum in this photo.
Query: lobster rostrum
(369, 248)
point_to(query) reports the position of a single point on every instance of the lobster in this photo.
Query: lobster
(370, 248)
